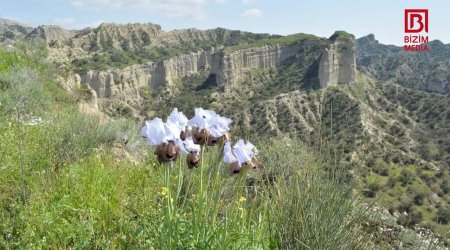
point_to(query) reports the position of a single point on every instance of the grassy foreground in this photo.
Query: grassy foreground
(71, 180)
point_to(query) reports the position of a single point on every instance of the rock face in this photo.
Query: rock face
(228, 69)
(10, 30)
(117, 82)
(50, 33)
(166, 72)
(165, 58)
(338, 61)
(116, 88)
(235, 66)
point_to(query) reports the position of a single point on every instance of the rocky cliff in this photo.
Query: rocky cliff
(114, 91)
(10, 30)
(145, 55)
(236, 65)
(167, 72)
(338, 61)
(50, 33)
(227, 68)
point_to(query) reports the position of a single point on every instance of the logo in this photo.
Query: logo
(416, 30)
(416, 20)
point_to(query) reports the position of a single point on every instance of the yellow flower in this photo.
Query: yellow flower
(242, 199)
(164, 191)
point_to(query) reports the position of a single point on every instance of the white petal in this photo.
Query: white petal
(172, 131)
(180, 144)
(177, 118)
(244, 151)
(191, 146)
(154, 131)
(228, 155)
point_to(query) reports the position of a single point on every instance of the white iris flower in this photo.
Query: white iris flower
(242, 152)
(211, 121)
(156, 131)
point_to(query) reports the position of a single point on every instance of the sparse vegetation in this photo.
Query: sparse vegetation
(341, 35)
(280, 40)
(91, 183)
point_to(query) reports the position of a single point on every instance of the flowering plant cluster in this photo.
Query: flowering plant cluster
(180, 135)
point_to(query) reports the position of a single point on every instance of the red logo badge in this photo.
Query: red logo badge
(416, 30)
(416, 20)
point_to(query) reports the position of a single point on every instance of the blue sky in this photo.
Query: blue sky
(384, 18)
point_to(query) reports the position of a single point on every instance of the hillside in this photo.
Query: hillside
(423, 71)
(11, 30)
(372, 116)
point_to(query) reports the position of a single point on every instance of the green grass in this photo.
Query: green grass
(99, 202)
(341, 35)
(283, 40)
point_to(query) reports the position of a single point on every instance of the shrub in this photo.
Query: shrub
(336, 215)
(410, 219)
(406, 177)
(23, 93)
(443, 215)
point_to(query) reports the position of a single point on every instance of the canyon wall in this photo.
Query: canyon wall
(338, 62)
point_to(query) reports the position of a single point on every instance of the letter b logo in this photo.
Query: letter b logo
(416, 20)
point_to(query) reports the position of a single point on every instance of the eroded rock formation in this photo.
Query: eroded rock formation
(338, 61)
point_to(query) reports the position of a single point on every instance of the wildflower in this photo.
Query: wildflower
(192, 150)
(164, 192)
(241, 153)
(202, 118)
(166, 152)
(209, 127)
(200, 136)
(163, 136)
(242, 199)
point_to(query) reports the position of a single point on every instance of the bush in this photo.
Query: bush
(23, 93)
(406, 177)
(410, 220)
(74, 135)
(314, 212)
(443, 215)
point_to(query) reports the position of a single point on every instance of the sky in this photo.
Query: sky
(384, 18)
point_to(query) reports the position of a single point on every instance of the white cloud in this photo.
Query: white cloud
(246, 2)
(221, 1)
(253, 13)
(193, 9)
